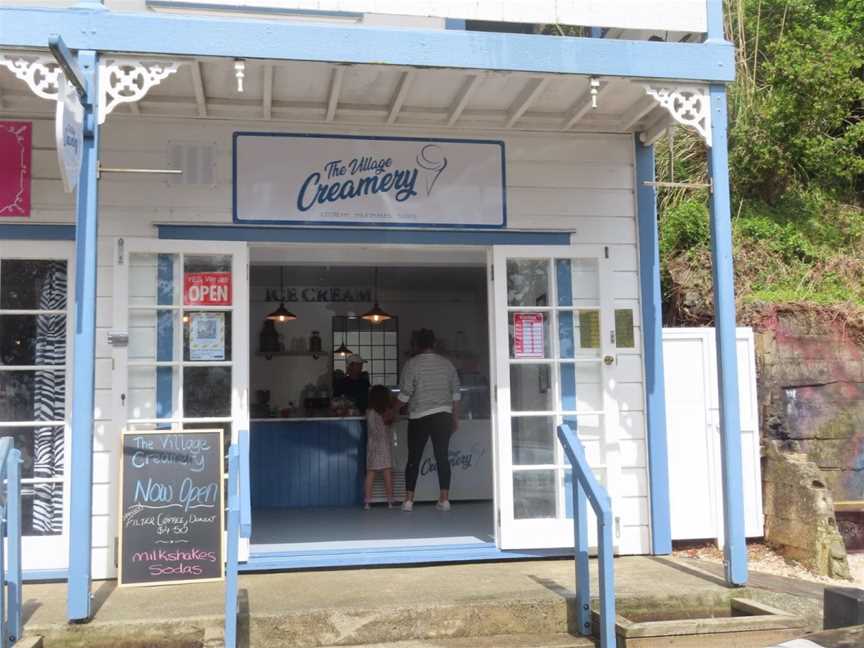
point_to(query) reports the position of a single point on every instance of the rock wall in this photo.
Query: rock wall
(799, 512)
(811, 393)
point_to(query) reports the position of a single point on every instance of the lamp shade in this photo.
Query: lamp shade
(376, 315)
(343, 351)
(281, 314)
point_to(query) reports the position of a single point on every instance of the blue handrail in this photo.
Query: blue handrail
(10, 528)
(586, 488)
(239, 526)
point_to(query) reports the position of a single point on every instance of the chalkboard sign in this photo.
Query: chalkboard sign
(171, 507)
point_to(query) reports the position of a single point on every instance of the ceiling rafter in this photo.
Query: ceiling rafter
(463, 97)
(198, 87)
(582, 105)
(523, 102)
(400, 96)
(658, 123)
(637, 111)
(267, 95)
(335, 91)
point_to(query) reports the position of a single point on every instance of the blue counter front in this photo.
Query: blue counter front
(305, 463)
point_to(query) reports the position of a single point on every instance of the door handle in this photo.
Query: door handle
(609, 360)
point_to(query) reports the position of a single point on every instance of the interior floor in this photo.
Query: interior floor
(353, 528)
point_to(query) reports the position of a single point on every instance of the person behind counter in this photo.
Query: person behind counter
(430, 387)
(355, 384)
(379, 442)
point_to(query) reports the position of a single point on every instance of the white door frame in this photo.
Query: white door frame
(50, 553)
(539, 533)
(123, 248)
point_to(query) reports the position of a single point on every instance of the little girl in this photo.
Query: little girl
(379, 441)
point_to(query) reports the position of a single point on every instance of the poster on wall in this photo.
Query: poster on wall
(347, 180)
(16, 141)
(206, 336)
(171, 507)
(528, 335)
(207, 289)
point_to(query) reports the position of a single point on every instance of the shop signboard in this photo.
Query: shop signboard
(16, 139)
(308, 179)
(528, 335)
(68, 132)
(171, 507)
(207, 289)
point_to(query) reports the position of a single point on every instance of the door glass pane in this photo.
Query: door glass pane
(533, 494)
(581, 387)
(531, 388)
(529, 335)
(154, 279)
(579, 333)
(577, 281)
(33, 340)
(206, 391)
(206, 336)
(28, 284)
(152, 335)
(153, 392)
(207, 280)
(528, 282)
(32, 395)
(533, 440)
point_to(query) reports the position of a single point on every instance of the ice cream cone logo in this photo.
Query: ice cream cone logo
(431, 158)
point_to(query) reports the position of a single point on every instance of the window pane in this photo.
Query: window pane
(529, 335)
(33, 340)
(32, 284)
(528, 282)
(207, 280)
(32, 395)
(531, 388)
(533, 494)
(206, 336)
(154, 279)
(581, 387)
(533, 440)
(579, 334)
(600, 474)
(42, 509)
(206, 391)
(577, 281)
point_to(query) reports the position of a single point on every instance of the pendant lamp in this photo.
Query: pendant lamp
(343, 351)
(377, 314)
(281, 314)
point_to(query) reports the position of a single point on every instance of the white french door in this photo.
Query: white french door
(36, 320)
(554, 352)
(181, 336)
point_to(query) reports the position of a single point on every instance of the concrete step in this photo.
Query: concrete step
(496, 641)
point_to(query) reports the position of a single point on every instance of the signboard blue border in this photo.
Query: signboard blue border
(365, 224)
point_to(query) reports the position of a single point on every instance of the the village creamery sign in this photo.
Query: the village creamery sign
(347, 180)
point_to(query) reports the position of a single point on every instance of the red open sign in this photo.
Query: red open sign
(207, 289)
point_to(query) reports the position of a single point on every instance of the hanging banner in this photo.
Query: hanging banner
(528, 335)
(16, 141)
(206, 336)
(348, 180)
(207, 289)
(68, 132)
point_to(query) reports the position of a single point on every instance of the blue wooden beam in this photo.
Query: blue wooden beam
(84, 353)
(33, 232)
(735, 548)
(183, 35)
(652, 335)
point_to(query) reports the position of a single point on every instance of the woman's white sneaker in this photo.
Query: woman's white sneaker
(443, 506)
(407, 506)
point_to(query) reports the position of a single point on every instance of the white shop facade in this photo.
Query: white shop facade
(506, 210)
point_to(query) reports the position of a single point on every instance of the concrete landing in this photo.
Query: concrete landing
(369, 606)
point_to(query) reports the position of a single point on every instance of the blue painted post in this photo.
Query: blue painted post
(735, 548)
(84, 347)
(652, 332)
(233, 549)
(583, 576)
(245, 485)
(13, 534)
(4, 627)
(607, 575)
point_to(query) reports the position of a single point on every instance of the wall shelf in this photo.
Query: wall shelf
(313, 354)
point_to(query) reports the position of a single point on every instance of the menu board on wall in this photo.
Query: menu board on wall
(171, 507)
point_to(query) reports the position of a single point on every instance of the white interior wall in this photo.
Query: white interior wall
(581, 183)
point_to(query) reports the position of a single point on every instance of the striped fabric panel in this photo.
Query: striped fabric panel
(429, 383)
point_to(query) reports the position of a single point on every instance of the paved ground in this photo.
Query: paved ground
(319, 608)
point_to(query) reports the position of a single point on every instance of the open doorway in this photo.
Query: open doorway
(308, 438)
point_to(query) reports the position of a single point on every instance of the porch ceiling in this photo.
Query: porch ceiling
(376, 95)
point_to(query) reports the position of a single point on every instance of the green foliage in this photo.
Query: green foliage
(684, 227)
